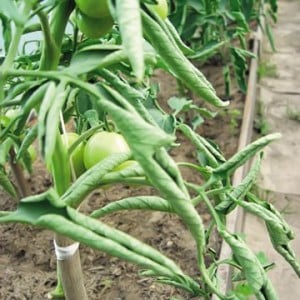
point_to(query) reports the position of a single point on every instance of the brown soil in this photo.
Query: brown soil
(27, 261)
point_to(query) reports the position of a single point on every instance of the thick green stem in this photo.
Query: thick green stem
(54, 33)
(69, 270)
(13, 47)
(8, 62)
(50, 50)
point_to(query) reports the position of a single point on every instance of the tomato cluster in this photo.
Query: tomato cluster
(93, 17)
(99, 146)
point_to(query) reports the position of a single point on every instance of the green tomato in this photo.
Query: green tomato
(77, 154)
(161, 8)
(102, 145)
(94, 8)
(94, 28)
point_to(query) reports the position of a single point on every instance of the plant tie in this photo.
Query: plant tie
(64, 253)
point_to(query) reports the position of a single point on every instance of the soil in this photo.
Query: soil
(27, 261)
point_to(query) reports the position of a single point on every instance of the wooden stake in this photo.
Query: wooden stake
(71, 272)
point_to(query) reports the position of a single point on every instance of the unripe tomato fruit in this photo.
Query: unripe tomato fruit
(161, 8)
(94, 8)
(77, 154)
(101, 145)
(94, 28)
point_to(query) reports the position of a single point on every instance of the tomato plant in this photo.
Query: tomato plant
(94, 83)
(225, 38)
(101, 145)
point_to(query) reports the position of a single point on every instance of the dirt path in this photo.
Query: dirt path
(280, 175)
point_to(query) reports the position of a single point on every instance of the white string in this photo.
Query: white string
(63, 253)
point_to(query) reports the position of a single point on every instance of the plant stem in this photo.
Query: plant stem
(50, 51)
(19, 175)
(54, 33)
(13, 47)
(69, 270)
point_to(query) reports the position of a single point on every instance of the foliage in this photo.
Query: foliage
(219, 31)
(103, 84)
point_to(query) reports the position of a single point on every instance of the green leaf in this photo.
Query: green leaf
(134, 96)
(208, 50)
(18, 89)
(6, 33)
(251, 267)
(240, 66)
(238, 159)
(27, 141)
(230, 202)
(92, 117)
(80, 233)
(7, 185)
(178, 64)
(48, 100)
(263, 259)
(139, 202)
(58, 163)
(175, 35)
(33, 99)
(53, 120)
(91, 179)
(31, 208)
(96, 56)
(129, 19)
(279, 231)
(212, 156)
(196, 122)
(164, 121)
(123, 239)
(240, 20)
(268, 291)
(4, 150)
(274, 5)
(179, 104)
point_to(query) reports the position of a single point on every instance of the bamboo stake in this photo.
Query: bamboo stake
(70, 272)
